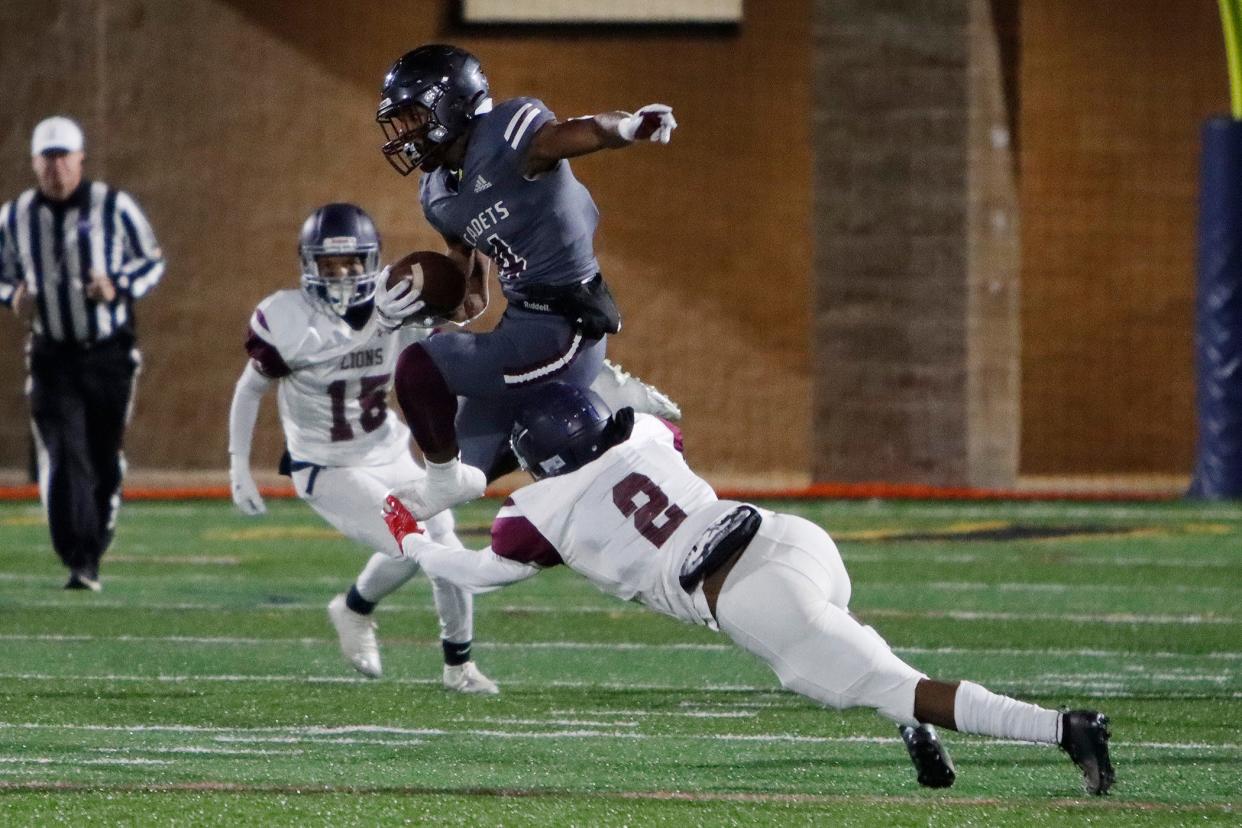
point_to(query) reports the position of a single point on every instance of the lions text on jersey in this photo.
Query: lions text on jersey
(538, 230)
(334, 381)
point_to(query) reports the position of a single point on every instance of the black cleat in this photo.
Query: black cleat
(83, 579)
(931, 760)
(1084, 736)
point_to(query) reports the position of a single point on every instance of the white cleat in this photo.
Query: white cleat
(445, 486)
(356, 633)
(467, 678)
(620, 389)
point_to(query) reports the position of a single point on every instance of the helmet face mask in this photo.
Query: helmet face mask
(414, 138)
(427, 101)
(339, 291)
(339, 251)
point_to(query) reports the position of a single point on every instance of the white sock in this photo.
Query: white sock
(384, 575)
(455, 607)
(978, 710)
(446, 471)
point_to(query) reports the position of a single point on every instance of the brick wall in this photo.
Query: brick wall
(913, 353)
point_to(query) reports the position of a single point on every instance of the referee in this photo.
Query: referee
(74, 255)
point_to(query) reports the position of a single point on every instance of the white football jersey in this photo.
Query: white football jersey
(334, 381)
(627, 521)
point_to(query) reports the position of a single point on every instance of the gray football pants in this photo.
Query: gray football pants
(494, 373)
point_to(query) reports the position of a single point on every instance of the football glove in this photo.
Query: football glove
(245, 493)
(653, 122)
(394, 306)
(400, 522)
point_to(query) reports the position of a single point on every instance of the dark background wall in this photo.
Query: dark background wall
(915, 247)
(231, 119)
(1112, 98)
(1004, 235)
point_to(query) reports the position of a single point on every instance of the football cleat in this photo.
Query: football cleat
(446, 485)
(620, 389)
(83, 579)
(356, 633)
(467, 678)
(931, 760)
(1084, 736)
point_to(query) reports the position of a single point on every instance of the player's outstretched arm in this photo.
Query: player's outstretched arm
(472, 571)
(481, 571)
(556, 140)
(244, 411)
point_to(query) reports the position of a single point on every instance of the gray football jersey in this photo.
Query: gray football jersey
(540, 231)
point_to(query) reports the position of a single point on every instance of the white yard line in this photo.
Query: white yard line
(1018, 652)
(249, 641)
(194, 749)
(77, 760)
(957, 615)
(1116, 562)
(1054, 511)
(96, 603)
(313, 734)
(1076, 618)
(984, 586)
(1105, 685)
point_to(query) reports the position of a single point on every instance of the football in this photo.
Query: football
(441, 283)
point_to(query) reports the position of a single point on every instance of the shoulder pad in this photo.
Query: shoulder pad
(278, 328)
(517, 120)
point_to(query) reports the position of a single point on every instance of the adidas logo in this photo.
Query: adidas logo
(481, 184)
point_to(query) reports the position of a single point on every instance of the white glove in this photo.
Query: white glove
(245, 493)
(654, 122)
(394, 307)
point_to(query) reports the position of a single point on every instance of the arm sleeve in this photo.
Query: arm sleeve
(247, 395)
(473, 571)
(143, 264)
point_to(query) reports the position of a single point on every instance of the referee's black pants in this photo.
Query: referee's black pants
(79, 402)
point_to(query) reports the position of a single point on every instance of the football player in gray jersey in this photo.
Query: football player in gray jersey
(496, 184)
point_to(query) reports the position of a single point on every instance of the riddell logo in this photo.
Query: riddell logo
(481, 184)
(340, 244)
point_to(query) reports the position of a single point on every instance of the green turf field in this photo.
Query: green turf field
(203, 686)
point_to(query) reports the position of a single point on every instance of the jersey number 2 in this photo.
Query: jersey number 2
(371, 398)
(625, 497)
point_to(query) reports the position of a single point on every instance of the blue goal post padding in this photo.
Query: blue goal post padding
(1218, 315)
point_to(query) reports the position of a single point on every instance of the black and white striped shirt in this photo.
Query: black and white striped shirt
(52, 247)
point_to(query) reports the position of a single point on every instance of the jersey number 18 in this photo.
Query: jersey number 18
(372, 398)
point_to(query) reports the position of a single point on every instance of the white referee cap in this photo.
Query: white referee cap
(57, 133)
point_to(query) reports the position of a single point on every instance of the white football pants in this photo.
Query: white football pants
(350, 498)
(786, 601)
